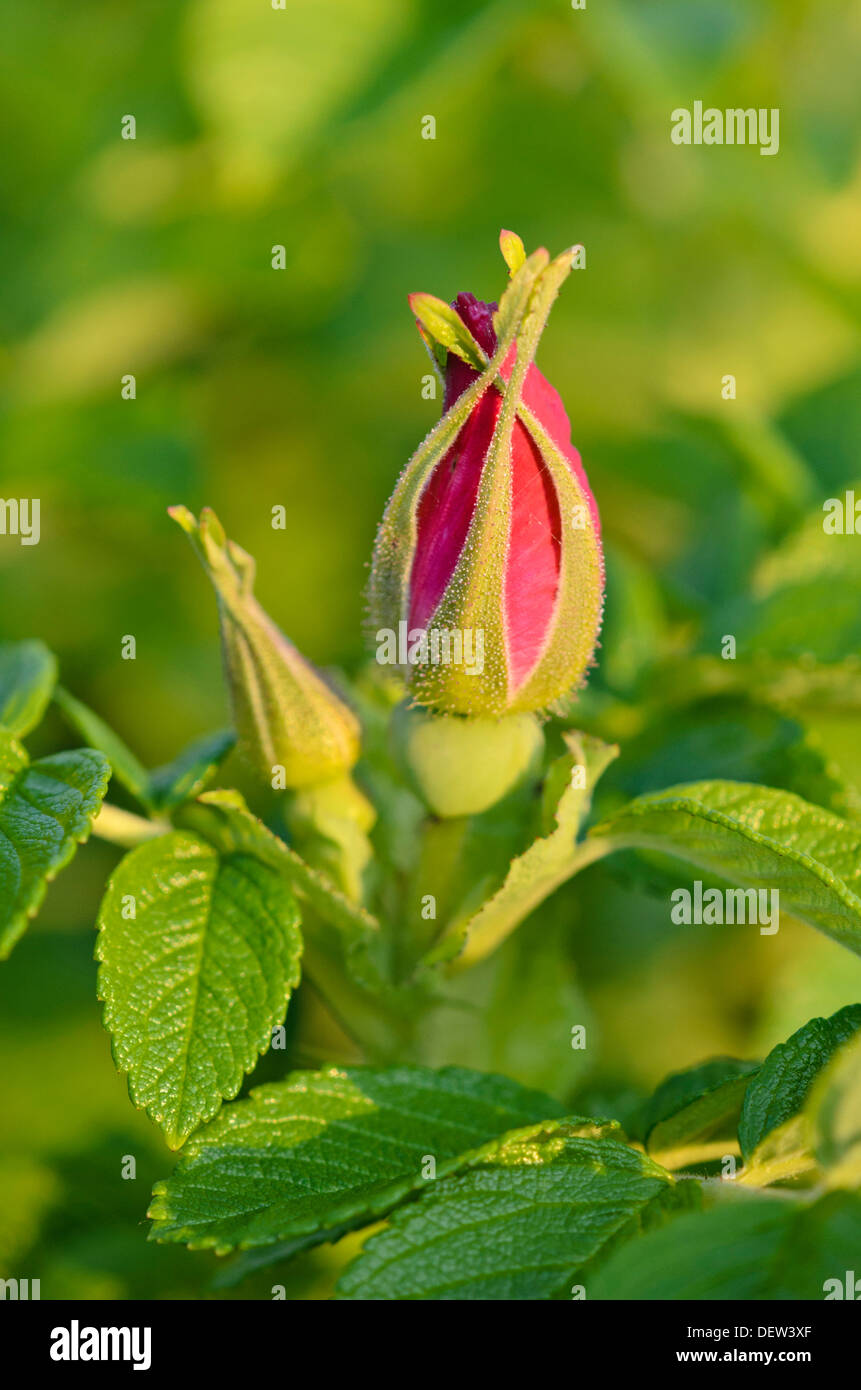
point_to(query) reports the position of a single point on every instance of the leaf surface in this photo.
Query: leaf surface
(779, 1091)
(188, 774)
(519, 1223)
(755, 1248)
(758, 837)
(692, 1115)
(199, 952)
(46, 811)
(223, 818)
(28, 671)
(307, 1156)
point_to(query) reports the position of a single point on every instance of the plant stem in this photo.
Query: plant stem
(124, 828)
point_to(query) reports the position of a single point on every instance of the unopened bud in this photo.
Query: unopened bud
(285, 713)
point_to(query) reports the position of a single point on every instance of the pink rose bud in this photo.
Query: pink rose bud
(488, 577)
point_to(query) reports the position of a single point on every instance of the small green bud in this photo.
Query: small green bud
(286, 716)
(461, 767)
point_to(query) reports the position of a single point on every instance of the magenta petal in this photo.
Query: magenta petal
(446, 509)
(534, 558)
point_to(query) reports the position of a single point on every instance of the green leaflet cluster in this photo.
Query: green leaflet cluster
(498, 1194)
(521, 1222)
(321, 1151)
(799, 1125)
(199, 946)
(491, 1192)
(769, 1113)
(164, 789)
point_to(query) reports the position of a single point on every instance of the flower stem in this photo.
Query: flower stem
(124, 828)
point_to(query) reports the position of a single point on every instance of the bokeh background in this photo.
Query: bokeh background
(302, 387)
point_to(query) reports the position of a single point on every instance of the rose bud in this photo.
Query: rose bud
(286, 716)
(488, 577)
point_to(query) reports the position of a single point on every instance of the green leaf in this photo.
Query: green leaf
(519, 1223)
(223, 818)
(692, 1115)
(546, 864)
(755, 836)
(46, 811)
(780, 1088)
(162, 790)
(188, 774)
(321, 1151)
(126, 768)
(834, 1110)
(346, 956)
(195, 980)
(756, 1247)
(28, 671)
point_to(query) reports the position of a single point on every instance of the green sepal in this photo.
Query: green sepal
(443, 325)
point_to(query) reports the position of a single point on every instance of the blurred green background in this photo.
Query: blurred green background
(302, 387)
